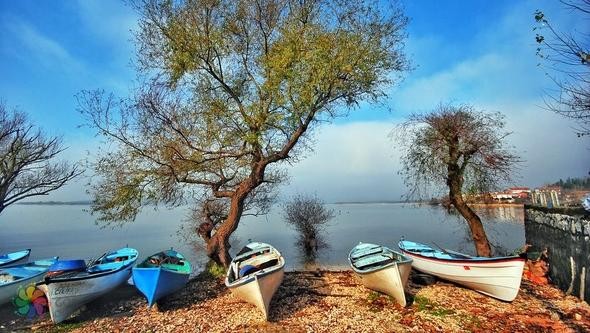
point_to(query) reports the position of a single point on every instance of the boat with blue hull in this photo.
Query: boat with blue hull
(382, 269)
(68, 291)
(161, 274)
(498, 277)
(13, 277)
(14, 257)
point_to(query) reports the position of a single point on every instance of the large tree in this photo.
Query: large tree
(460, 148)
(566, 60)
(229, 90)
(27, 159)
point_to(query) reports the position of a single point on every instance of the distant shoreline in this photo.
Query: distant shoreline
(55, 203)
(376, 202)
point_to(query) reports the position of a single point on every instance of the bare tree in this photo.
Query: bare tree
(459, 148)
(231, 92)
(27, 166)
(566, 59)
(308, 215)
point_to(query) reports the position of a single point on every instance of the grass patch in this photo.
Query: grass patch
(430, 307)
(65, 327)
(378, 301)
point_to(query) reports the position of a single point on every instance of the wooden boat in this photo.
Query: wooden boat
(255, 274)
(381, 269)
(161, 274)
(14, 257)
(68, 291)
(498, 277)
(13, 277)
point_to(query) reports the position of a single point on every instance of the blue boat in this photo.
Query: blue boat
(161, 274)
(14, 257)
(13, 277)
(69, 290)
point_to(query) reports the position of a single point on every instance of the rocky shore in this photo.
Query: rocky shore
(328, 301)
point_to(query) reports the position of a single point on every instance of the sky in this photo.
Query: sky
(477, 52)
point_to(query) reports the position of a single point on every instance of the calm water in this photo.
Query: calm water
(70, 232)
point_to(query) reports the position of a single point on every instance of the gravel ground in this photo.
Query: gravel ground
(331, 301)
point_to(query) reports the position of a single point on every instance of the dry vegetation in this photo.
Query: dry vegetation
(334, 302)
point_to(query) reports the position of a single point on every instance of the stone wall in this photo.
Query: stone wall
(573, 221)
(566, 235)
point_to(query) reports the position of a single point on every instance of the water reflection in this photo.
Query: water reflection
(563, 248)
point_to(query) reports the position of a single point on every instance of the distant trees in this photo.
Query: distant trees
(232, 91)
(566, 55)
(308, 215)
(573, 183)
(460, 148)
(27, 166)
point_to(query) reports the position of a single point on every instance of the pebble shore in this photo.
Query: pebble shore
(330, 301)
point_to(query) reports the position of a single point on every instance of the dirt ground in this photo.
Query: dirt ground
(332, 301)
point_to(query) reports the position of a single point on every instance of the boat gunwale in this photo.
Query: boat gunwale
(464, 261)
(15, 260)
(256, 275)
(30, 276)
(407, 260)
(58, 279)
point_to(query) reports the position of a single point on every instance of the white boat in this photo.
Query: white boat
(255, 275)
(67, 292)
(381, 269)
(13, 277)
(497, 277)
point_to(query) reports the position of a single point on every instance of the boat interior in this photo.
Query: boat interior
(251, 261)
(367, 259)
(169, 260)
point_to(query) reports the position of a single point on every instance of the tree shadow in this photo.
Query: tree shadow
(298, 291)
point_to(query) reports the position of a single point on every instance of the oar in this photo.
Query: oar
(454, 255)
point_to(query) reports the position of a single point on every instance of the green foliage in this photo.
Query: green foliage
(214, 270)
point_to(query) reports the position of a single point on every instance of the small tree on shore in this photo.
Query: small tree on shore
(232, 91)
(27, 166)
(460, 148)
(308, 215)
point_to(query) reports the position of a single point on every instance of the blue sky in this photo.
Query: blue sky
(478, 52)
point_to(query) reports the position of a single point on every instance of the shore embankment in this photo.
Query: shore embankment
(328, 301)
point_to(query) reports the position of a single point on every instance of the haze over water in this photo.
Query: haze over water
(70, 231)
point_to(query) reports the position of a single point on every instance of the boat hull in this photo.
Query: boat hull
(155, 283)
(255, 274)
(260, 290)
(390, 280)
(382, 269)
(496, 277)
(14, 258)
(65, 297)
(9, 290)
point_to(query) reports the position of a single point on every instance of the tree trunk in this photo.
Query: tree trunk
(482, 245)
(455, 183)
(218, 245)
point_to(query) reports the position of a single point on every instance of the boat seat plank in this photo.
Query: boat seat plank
(366, 252)
(373, 261)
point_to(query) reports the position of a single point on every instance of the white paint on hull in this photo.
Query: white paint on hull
(497, 279)
(67, 296)
(390, 280)
(260, 291)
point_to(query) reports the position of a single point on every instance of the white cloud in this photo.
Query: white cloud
(44, 50)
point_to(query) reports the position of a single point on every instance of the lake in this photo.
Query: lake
(69, 231)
